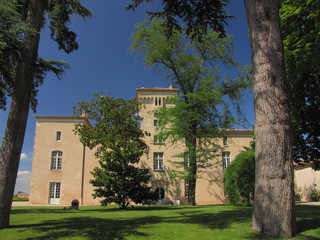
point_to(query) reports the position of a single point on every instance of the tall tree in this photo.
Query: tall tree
(274, 203)
(202, 109)
(300, 28)
(274, 195)
(26, 74)
(117, 137)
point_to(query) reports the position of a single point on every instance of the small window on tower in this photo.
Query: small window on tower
(225, 141)
(58, 135)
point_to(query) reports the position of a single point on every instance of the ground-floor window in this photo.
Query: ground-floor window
(54, 194)
(160, 192)
(186, 189)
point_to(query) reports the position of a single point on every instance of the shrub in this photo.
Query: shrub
(313, 194)
(239, 178)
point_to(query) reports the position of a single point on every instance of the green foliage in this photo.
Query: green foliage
(13, 29)
(300, 23)
(239, 178)
(313, 194)
(207, 98)
(198, 16)
(116, 136)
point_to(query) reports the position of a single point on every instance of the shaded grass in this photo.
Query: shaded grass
(179, 222)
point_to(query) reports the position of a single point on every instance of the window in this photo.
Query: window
(56, 160)
(158, 161)
(155, 122)
(54, 192)
(186, 189)
(58, 135)
(186, 160)
(160, 192)
(226, 159)
(157, 101)
(225, 141)
(157, 139)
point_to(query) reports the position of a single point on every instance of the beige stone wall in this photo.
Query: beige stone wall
(209, 188)
(70, 175)
(73, 173)
(305, 179)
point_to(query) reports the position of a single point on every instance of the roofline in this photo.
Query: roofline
(86, 121)
(142, 89)
(158, 89)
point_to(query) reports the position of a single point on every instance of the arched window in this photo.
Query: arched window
(160, 193)
(56, 160)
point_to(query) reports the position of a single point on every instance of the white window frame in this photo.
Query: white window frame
(226, 159)
(56, 160)
(54, 192)
(158, 161)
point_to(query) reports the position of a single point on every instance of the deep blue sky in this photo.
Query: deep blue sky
(102, 63)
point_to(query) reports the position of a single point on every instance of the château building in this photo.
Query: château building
(62, 165)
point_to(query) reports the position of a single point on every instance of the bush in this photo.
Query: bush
(239, 178)
(313, 194)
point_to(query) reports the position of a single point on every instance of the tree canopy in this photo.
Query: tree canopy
(198, 16)
(203, 107)
(115, 135)
(301, 28)
(22, 71)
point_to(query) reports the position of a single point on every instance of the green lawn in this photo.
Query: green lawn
(183, 222)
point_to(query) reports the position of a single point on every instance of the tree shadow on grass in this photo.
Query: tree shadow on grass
(219, 220)
(121, 228)
(117, 228)
(91, 228)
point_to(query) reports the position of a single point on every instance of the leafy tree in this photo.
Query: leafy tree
(116, 136)
(202, 108)
(22, 71)
(300, 28)
(239, 178)
(274, 189)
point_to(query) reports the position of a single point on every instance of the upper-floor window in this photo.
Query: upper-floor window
(155, 122)
(226, 159)
(56, 160)
(58, 135)
(157, 139)
(158, 162)
(225, 141)
(158, 101)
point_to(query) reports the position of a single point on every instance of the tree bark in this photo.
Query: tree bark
(18, 115)
(191, 144)
(273, 212)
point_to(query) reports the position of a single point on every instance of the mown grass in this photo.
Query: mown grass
(181, 222)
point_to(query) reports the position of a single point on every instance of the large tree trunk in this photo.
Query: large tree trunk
(191, 144)
(273, 212)
(18, 115)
